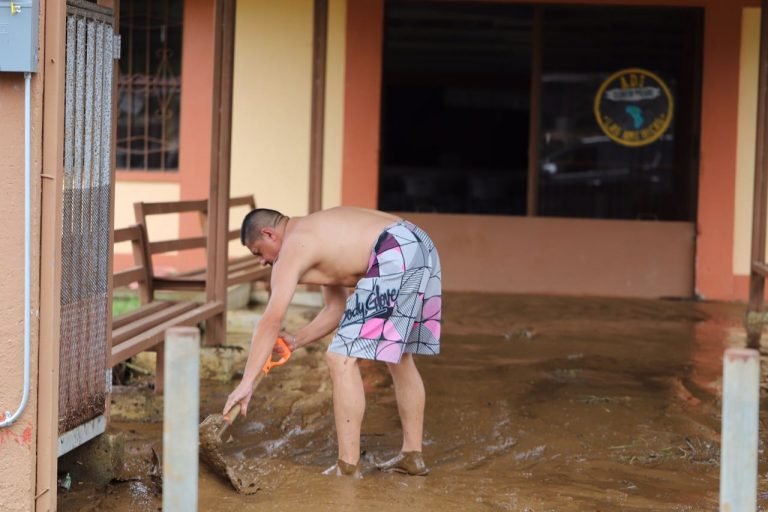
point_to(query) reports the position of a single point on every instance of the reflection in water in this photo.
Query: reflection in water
(536, 403)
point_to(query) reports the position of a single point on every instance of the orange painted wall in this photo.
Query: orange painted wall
(196, 113)
(360, 167)
(18, 441)
(717, 170)
(714, 278)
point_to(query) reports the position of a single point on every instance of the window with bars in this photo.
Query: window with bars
(149, 85)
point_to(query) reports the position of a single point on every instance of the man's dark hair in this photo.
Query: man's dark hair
(256, 220)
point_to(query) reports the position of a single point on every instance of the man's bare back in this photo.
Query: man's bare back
(334, 246)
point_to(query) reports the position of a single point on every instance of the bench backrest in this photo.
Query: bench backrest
(141, 271)
(143, 210)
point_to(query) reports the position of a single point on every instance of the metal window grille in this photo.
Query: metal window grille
(149, 85)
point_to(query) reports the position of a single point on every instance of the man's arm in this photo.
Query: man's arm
(285, 276)
(283, 284)
(327, 319)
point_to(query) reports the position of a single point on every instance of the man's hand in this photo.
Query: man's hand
(241, 395)
(289, 339)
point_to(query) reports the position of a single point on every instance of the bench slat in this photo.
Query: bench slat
(130, 330)
(128, 276)
(246, 275)
(194, 205)
(177, 245)
(183, 283)
(127, 234)
(141, 312)
(148, 338)
(245, 262)
(195, 281)
(242, 201)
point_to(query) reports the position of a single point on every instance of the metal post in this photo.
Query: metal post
(180, 419)
(738, 455)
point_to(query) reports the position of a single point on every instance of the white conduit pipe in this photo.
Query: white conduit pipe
(11, 418)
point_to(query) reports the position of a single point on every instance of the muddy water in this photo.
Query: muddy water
(536, 403)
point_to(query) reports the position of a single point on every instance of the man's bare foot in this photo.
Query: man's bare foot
(342, 468)
(408, 463)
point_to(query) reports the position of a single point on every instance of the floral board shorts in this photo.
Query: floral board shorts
(396, 307)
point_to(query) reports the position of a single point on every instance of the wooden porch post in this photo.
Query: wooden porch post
(317, 125)
(534, 118)
(52, 63)
(759, 269)
(221, 134)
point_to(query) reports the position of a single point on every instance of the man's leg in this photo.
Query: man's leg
(409, 391)
(348, 404)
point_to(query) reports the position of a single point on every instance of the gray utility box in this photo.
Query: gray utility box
(18, 35)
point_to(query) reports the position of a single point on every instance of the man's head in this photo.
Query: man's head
(262, 233)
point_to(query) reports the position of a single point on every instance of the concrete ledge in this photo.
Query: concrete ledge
(242, 321)
(98, 461)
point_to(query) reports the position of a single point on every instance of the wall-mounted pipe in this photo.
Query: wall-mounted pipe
(10, 418)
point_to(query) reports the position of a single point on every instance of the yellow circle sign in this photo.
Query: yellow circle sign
(634, 107)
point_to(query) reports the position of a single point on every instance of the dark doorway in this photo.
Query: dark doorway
(560, 111)
(619, 112)
(456, 108)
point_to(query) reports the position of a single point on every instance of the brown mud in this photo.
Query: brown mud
(535, 404)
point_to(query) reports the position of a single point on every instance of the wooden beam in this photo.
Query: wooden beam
(757, 279)
(52, 64)
(317, 124)
(221, 133)
(534, 117)
(760, 269)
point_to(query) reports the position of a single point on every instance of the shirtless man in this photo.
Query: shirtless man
(393, 313)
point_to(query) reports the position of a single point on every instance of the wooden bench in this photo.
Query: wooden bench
(239, 270)
(144, 328)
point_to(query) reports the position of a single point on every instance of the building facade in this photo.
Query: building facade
(494, 125)
(590, 147)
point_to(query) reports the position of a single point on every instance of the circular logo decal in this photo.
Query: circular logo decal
(634, 107)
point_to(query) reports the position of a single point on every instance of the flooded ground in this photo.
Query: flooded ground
(535, 404)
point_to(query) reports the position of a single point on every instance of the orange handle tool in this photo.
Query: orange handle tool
(280, 362)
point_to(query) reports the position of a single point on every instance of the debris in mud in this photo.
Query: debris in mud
(532, 454)
(523, 333)
(701, 450)
(64, 482)
(565, 374)
(594, 400)
(691, 449)
(142, 461)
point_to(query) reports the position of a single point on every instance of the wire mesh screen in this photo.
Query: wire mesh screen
(86, 221)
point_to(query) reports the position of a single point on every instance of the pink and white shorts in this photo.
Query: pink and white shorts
(396, 307)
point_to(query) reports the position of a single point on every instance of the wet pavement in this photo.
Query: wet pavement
(535, 404)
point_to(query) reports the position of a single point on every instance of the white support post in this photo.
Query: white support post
(738, 453)
(181, 419)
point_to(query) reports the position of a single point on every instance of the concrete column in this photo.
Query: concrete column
(738, 456)
(180, 419)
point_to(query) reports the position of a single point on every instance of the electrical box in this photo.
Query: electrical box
(18, 35)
